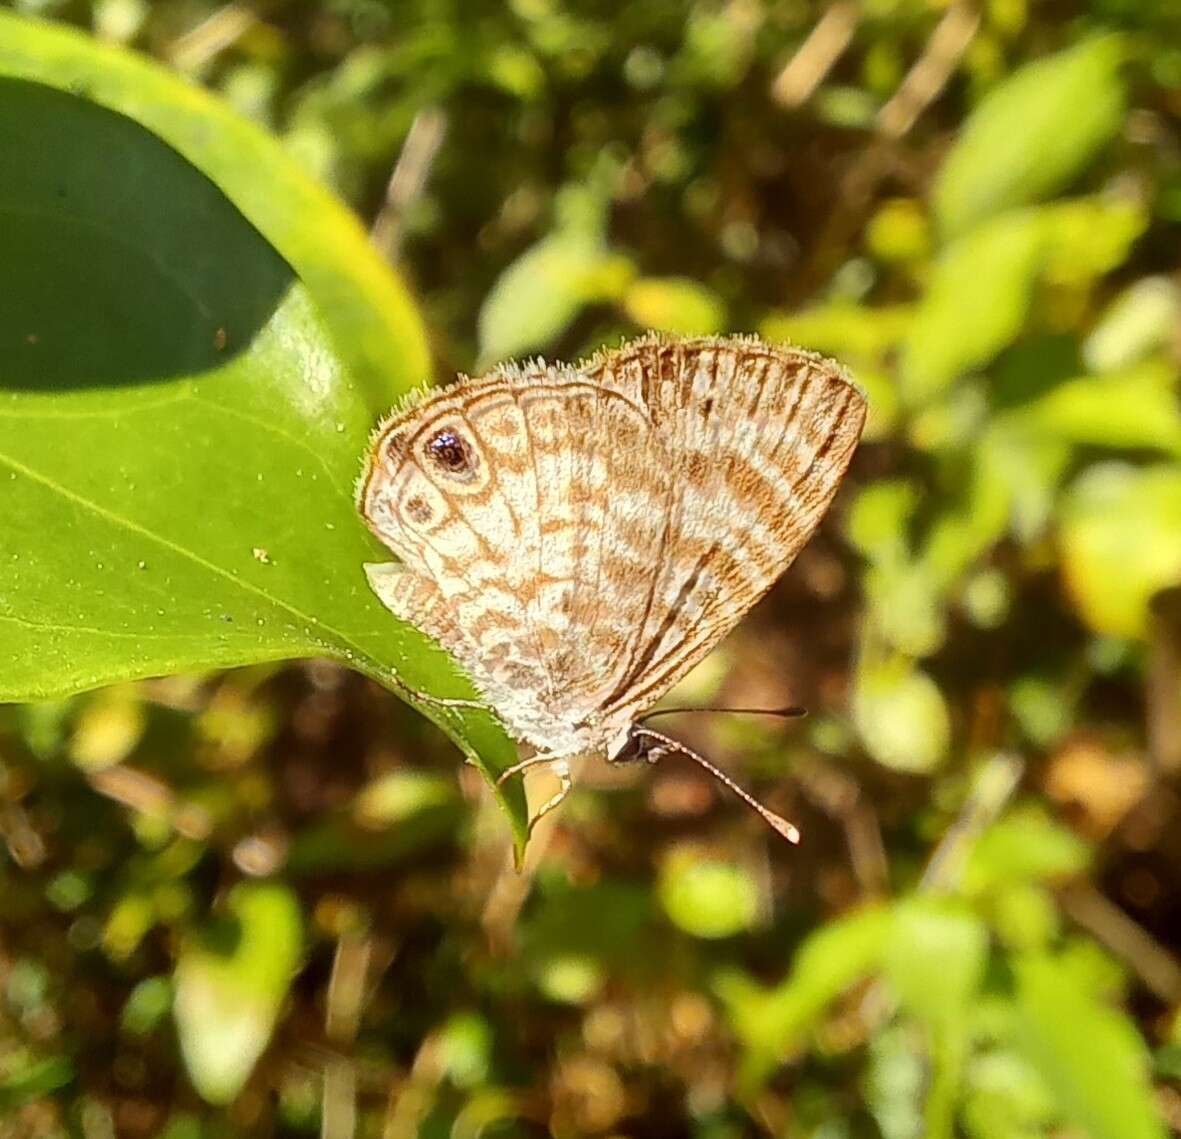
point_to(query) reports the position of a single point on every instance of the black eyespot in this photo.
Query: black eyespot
(417, 510)
(452, 452)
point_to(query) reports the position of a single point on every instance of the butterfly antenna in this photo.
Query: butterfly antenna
(791, 712)
(777, 823)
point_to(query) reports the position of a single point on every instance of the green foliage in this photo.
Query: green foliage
(231, 985)
(260, 901)
(706, 898)
(1092, 1061)
(1121, 542)
(975, 304)
(1032, 133)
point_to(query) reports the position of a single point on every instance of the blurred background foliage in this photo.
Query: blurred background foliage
(266, 902)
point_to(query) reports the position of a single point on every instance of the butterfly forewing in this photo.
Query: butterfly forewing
(580, 537)
(761, 438)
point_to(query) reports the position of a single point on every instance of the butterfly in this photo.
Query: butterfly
(579, 536)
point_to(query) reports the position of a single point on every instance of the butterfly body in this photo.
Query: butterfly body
(580, 537)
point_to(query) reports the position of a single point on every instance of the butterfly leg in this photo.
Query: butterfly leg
(523, 765)
(560, 768)
(441, 701)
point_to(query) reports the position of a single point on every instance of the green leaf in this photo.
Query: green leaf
(1032, 134)
(1120, 533)
(1133, 408)
(707, 898)
(1025, 846)
(373, 324)
(935, 963)
(974, 305)
(1140, 320)
(969, 527)
(539, 294)
(1090, 1056)
(1087, 237)
(878, 519)
(893, 1082)
(861, 337)
(1005, 1098)
(935, 959)
(674, 304)
(771, 1022)
(31, 1080)
(901, 715)
(230, 987)
(905, 607)
(179, 435)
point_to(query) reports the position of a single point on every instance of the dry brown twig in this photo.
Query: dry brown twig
(1127, 939)
(817, 55)
(923, 83)
(409, 177)
(213, 35)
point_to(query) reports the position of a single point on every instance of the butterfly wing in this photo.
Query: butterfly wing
(510, 501)
(760, 437)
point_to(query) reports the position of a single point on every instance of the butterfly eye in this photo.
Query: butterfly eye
(451, 452)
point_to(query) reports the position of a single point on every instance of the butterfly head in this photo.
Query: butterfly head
(634, 745)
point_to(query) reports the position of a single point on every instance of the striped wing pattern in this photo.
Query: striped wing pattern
(578, 538)
(762, 437)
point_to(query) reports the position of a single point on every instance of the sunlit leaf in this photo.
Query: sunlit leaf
(705, 897)
(230, 987)
(841, 328)
(1141, 319)
(966, 529)
(771, 1022)
(543, 290)
(1088, 1054)
(1120, 534)
(935, 959)
(974, 305)
(877, 520)
(935, 964)
(900, 714)
(895, 1079)
(1005, 1098)
(674, 304)
(899, 231)
(1134, 408)
(31, 1080)
(863, 338)
(393, 798)
(1025, 846)
(1032, 134)
(905, 607)
(1088, 237)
